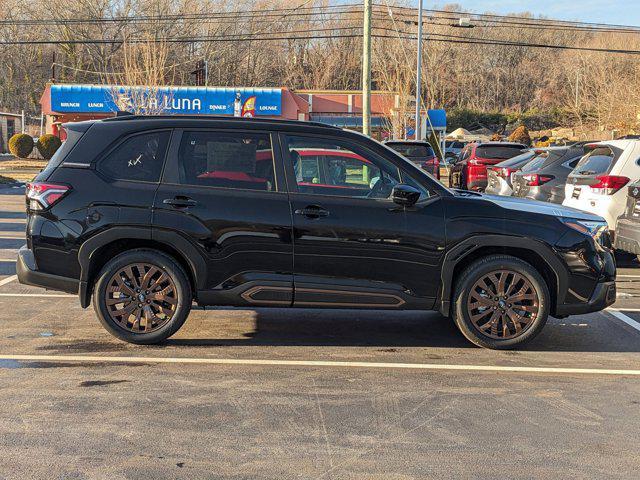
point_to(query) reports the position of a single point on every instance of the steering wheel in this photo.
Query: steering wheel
(379, 188)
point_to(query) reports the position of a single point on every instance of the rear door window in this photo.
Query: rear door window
(138, 158)
(596, 162)
(226, 159)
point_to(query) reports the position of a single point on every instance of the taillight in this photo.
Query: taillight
(41, 196)
(535, 180)
(609, 184)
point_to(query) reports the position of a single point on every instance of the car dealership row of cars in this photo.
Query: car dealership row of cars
(602, 178)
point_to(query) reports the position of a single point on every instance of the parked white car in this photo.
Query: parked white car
(596, 183)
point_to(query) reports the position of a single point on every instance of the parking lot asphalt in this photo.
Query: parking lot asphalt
(274, 393)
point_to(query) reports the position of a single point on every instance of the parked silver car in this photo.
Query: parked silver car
(499, 177)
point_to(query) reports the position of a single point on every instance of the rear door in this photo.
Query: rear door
(223, 191)
(353, 247)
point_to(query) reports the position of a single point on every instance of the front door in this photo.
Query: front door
(351, 242)
(222, 191)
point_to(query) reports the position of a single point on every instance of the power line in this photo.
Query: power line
(550, 22)
(286, 36)
(206, 17)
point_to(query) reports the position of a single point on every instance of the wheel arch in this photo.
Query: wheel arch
(98, 250)
(539, 255)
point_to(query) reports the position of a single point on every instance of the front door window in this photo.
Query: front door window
(336, 168)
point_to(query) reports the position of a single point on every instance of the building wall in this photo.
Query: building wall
(4, 134)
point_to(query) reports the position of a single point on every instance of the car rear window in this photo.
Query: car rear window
(536, 162)
(408, 150)
(596, 162)
(498, 151)
(517, 160)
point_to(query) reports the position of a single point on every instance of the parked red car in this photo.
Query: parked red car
(470, 170)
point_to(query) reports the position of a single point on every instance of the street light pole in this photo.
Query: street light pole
(366, 69)
(419, 72)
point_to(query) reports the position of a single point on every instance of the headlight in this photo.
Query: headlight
(593, 229)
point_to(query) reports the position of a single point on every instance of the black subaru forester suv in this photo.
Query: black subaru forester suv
(148, 214)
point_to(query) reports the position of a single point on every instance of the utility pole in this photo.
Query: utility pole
(366, 69)
(419, 72)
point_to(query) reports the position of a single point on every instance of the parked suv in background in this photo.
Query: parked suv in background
(597, 182)
(545, 177)
(419, 152)
(452, 149)
(145, 215)
(499, 176)
(470, 170)
(628, 225)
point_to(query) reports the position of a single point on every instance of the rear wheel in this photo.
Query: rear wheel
(142, 296)
(501, 302)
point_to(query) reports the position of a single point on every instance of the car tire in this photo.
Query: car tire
(476, 309)
(163, 307)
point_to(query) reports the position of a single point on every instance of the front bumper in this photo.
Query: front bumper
(627, 236)
(28, 274)
(603, 296)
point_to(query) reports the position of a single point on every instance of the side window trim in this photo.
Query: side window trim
(171, 174)
(95, 164)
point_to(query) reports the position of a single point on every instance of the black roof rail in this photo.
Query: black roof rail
(121, 116)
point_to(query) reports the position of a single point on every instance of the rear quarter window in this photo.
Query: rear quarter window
(138, 158)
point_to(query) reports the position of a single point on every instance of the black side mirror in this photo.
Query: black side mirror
(405, 195)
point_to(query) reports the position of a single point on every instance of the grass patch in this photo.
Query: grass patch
(27, 163)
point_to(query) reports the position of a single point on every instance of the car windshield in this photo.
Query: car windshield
(413, 150)
(498, 151)
(595, 162)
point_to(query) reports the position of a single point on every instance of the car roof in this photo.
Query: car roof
(408, 142)
(621, 144)
(500, 144)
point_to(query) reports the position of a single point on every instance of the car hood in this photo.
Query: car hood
(544, 208)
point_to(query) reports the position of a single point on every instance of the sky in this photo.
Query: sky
(625, 12)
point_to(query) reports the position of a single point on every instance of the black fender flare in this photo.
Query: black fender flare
(86, 254)
(466, 247)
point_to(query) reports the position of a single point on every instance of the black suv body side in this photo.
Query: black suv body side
(317, 217)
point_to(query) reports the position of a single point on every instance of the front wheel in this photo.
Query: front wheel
(142, 296)
(501, 302)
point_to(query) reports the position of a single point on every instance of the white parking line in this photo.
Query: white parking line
(317, 363)
(8, 280)
(8, 260)
(624, 318)
(38, 295)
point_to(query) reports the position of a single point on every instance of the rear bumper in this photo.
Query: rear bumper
(603, 296)
(28, 274)
(627, 236)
